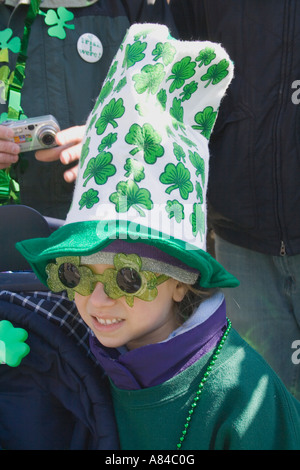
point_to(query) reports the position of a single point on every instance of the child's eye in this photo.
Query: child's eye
(69, 275)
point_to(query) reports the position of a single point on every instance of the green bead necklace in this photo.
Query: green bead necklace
(201, 385)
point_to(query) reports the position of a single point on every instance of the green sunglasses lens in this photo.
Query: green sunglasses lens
(128, 280)
(69, 275)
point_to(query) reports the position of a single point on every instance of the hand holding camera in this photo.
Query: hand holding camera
(66, 145)
(68, 150)
(9, 151)
(34, 133)
(25, 135)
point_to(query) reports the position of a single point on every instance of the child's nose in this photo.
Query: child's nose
(98, 297)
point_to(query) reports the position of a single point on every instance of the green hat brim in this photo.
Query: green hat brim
(71, 240)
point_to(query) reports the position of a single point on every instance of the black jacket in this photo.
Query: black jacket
(254, 181)
(58, 397)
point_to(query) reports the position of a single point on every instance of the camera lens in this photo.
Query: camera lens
(46, 136)
(48, 139)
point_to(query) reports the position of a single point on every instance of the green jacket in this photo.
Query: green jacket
(60, 82)
(243, 406)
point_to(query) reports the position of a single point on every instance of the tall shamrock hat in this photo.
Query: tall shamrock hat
(144, 164)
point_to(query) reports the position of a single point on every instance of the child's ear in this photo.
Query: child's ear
(180, 289)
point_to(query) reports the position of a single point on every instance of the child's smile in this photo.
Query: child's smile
(116, 324)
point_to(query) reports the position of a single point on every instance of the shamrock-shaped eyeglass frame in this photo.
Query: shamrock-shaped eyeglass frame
(125, 279)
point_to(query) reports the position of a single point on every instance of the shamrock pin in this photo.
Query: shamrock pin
(12, 346)
(7, 42)
(58, 22)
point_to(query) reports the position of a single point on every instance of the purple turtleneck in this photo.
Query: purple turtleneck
(153, 364)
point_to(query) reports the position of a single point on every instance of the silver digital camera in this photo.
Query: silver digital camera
(34, 133)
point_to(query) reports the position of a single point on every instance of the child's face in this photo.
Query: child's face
(116, 324)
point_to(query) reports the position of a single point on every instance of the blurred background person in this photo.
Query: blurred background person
(254, 192)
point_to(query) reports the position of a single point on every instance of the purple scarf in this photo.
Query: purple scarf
(153, 364)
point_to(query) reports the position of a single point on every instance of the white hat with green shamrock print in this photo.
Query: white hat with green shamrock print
(144, 164)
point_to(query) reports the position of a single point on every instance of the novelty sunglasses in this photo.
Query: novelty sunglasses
(126, 279)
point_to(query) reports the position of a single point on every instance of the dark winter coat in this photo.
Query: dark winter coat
(254, 189)
(57, 398)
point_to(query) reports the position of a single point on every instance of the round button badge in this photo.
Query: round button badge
(89, 47)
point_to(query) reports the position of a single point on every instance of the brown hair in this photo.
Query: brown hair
(192, 299)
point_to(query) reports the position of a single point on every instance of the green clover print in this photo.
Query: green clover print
(162, 98)
(198, 163)
(165, 51)
(112, 111)
(12, 344)
(142, 34)
(188, 90)
(216, 73)
(89, 199)
(199, 192)
(175, 209)
(84, 151)
(99, 168)
(178, 152)
(187, 141)
(205, 120)
(134, 53)
(129, 195)
(120, 85)
(147, 140)
(206, 56)
(197, 220)
(149, 79)
(108, 141)
(58, 21)
(104, 93)
(134, 169)
(112, 69)
(181, 71)
(177, 177)
(7, 42)
(176, 111)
